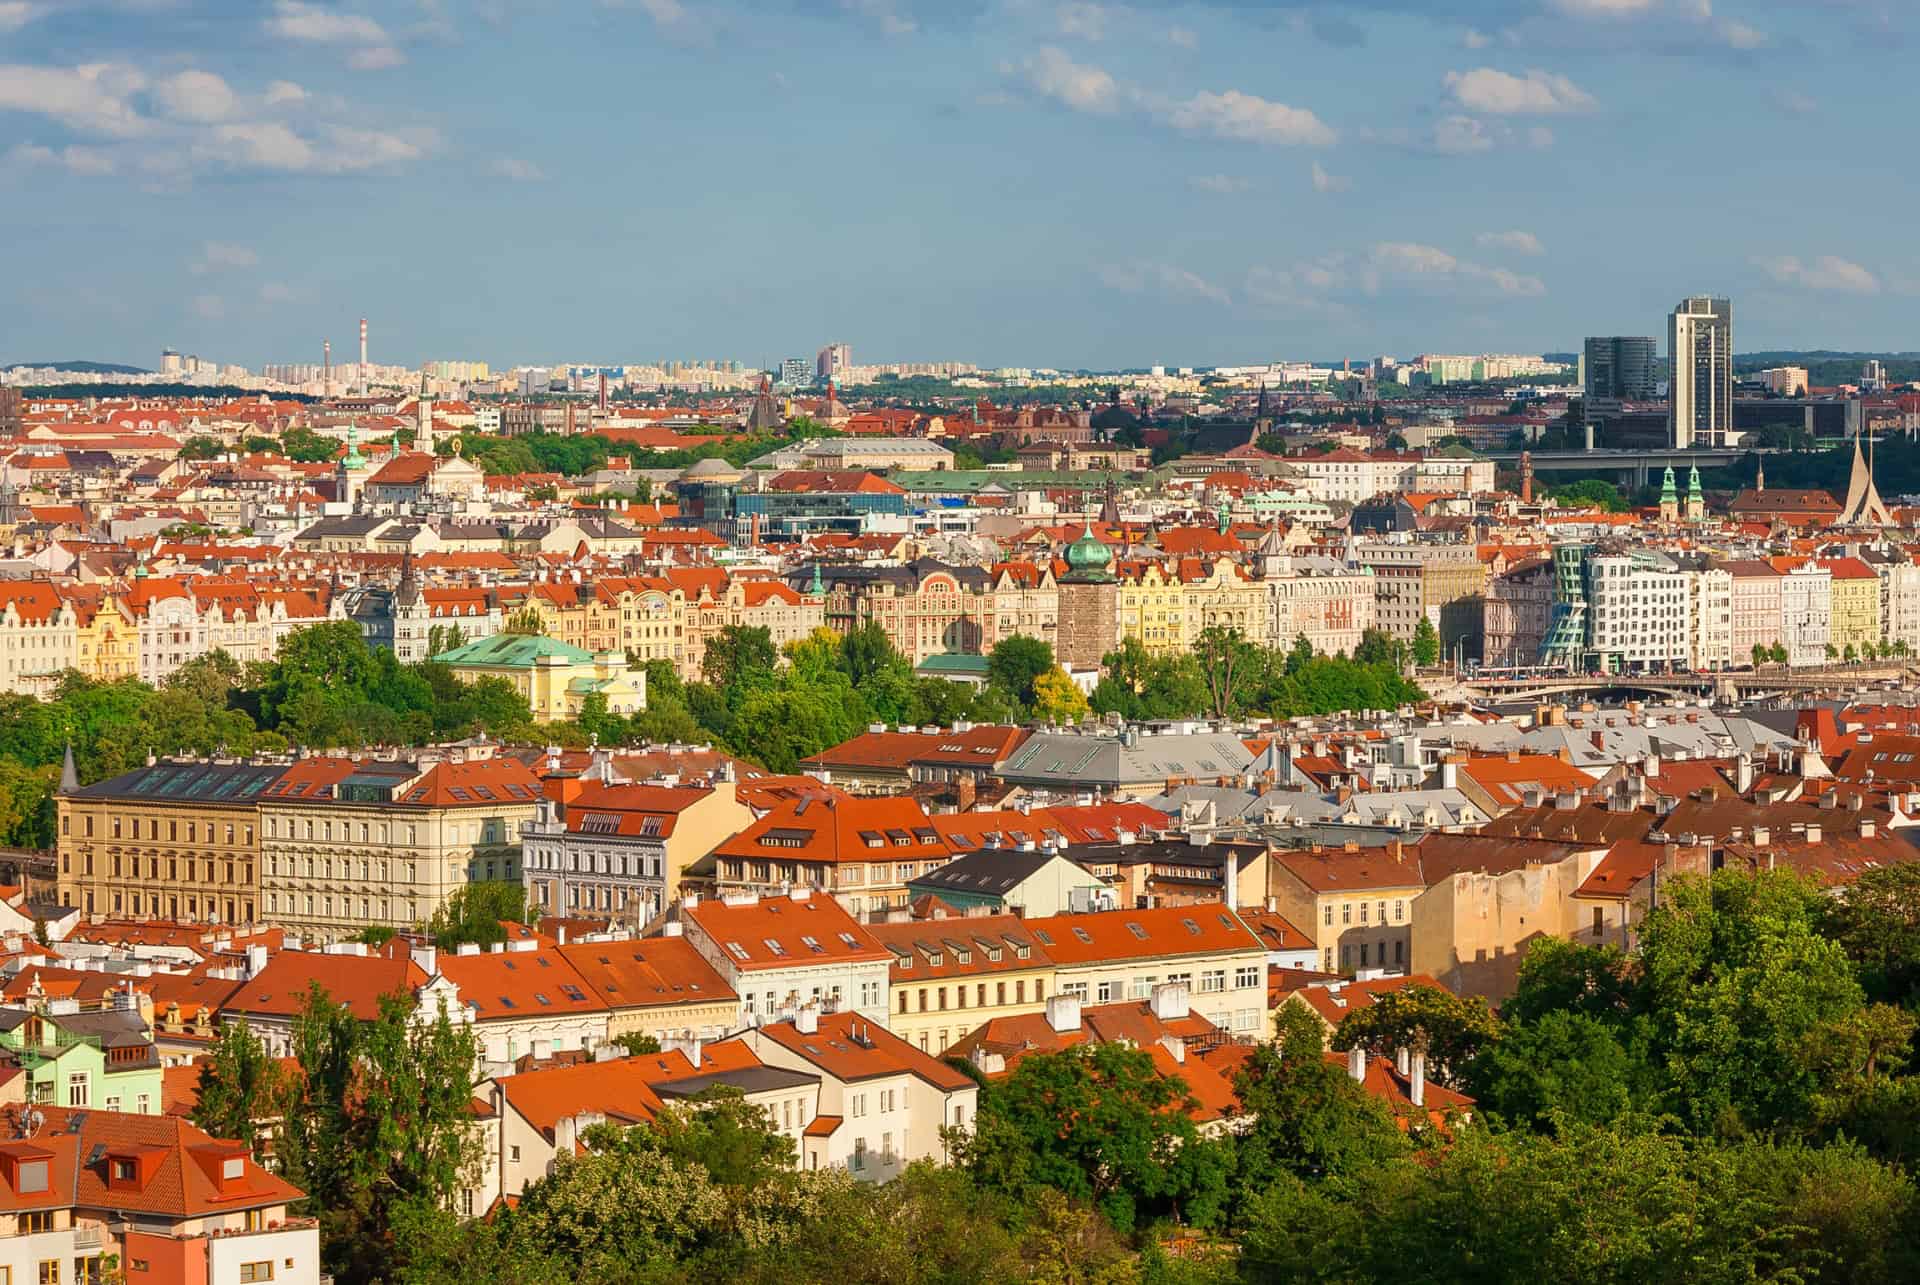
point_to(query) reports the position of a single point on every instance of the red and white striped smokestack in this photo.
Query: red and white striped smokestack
(326, 350)
(363, 354)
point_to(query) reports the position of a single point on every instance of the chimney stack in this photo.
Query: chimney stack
(1357, 1063)
(1417, 1083)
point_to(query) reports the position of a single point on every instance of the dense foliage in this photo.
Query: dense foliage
(1228, 676)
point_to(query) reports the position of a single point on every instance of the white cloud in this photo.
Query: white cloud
(281, 92)
(316, 24)
(1475, 39)
(1604, 8)
(274, 292)
(208, 307)
(94, 97)
(1500, 93)
(1460, 135)
(1248, 118)
(1219, 184)
(1080, 20)
(1516, 242)
(1052, 74)
(15, 14)
(1162, 278)
(89, 161)
(1181, 38)
(195, 96)
(1411, 263)
(517, 169)
(665, 13)
(376, 58)
(1825, 272)
(1738, 35)
(216, 255)
(1325, 182)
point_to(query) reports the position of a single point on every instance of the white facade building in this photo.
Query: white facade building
(1640, 607)
(1806, 614)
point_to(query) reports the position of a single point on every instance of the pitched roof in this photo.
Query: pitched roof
(650, 973)
(840, 828)
(784, 931)
(851, 1048)
(1154, 933)
(357, 981)
(517, 985)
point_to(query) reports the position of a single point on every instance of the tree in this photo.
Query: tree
(1308, 1116)
(240, 1086)
(1426, 643)
(1057, 699)
(378, 1128)
(1877, 923)
(475, 913)
(1566, 1066)
(1779, 653)
(1760, 654)
(634, 1043)
(1378, 647)
(1015, 663)
(1592, 493)
(1097, 1123)
(444, 638)
(738, 655)
(1452, 1030)
(201, 448)
(526, 620)
(1225, 657)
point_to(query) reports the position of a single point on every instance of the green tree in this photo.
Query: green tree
(1308, 1118)
(526, 620)
(1760, 654)
(635, 1043)
(1225, 658)
(1015, 664)
(1565, 1066)
(1378, 647)
(476, 914)
(1453, 1030)
(240, 1086)
(1877, 923)
(201, 448)
(1097, 1123)
(739, 655)
(1426, 643)
(1590, 494)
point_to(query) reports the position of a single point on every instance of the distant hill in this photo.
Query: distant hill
(79, 367)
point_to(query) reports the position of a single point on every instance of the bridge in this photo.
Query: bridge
(1728, 685)
(1633, 467)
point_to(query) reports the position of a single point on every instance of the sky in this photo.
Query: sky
(1005, 182)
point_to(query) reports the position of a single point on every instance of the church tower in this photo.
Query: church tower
(1669, 497)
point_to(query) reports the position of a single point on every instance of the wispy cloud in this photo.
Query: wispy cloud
(216, 256)
(516, 168)
(1516, 242)
(1499, 93)
(1162, 278)
(1325, 182)
(1218, 184)
(1232, 114)
(1823, 272)
(15, 14)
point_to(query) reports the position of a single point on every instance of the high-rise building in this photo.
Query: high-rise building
(1619, 368)
(833, 362)
(794, 372)
(1873, 376)
(1700, 343)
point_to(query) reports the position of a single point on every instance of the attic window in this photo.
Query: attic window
(649, 825)
(848, 939)
(872, 839)
(739, 951)
(1191, 927)
(30, 1176)
(1042, 935)
(1136, 930)
(813, 944)
(960, 841)
(574, 993)
(926, 836)
(1083, 935)
(233, 1167)
(544, 1001)
(773, 946)
(460, 795)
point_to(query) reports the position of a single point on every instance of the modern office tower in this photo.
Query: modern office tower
(1700, 401)
(795, 372)
(832, 362)
(1619, 368)
(1873, 376)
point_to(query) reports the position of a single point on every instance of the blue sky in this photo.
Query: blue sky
(998, 181)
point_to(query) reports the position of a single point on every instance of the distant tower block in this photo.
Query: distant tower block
(1526, 477)
(363, 354)
(326, 358)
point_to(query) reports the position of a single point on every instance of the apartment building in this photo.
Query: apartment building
(883, 1103)
(1755, 606)
(784, 952)
(347, 842)
(177, 840)
(1355, 903)
(1806, 613)
(862, 850)
(1109, 956)
(522, 1000)
(1419, 581)
(39, 637)
(950, 975)
(619, 850)
(94, 1195)
(658, 986)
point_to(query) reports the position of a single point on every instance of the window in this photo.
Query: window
(78, 1086)
(263, 1271)
(1399, 911)
(50, 1271)
(36, 1220)
(1346, 912)
(859, 1161)
(1599, 921)
(1246, 975)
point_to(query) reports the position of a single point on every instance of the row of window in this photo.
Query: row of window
(1379, 908)
(129, 828)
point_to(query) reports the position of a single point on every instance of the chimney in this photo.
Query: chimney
(1171, 1001)
(1761, 836)
(1357, 1063)
(1063, 1013)
(1403, 1060)
(1866, 828)
(1813, 834)
(428, 958)
(1653, 766)
(1417, 1083)
(1743, 775)
(807, 1020)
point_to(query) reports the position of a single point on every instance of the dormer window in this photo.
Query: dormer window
(30, 1176)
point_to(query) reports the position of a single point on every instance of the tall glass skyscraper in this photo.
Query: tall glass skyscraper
(1619, 368)
(1700, 402)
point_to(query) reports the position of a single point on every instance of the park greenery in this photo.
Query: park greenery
(1733, 1100)
(1227, 676)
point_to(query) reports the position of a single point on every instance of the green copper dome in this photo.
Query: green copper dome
(1087, 558)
